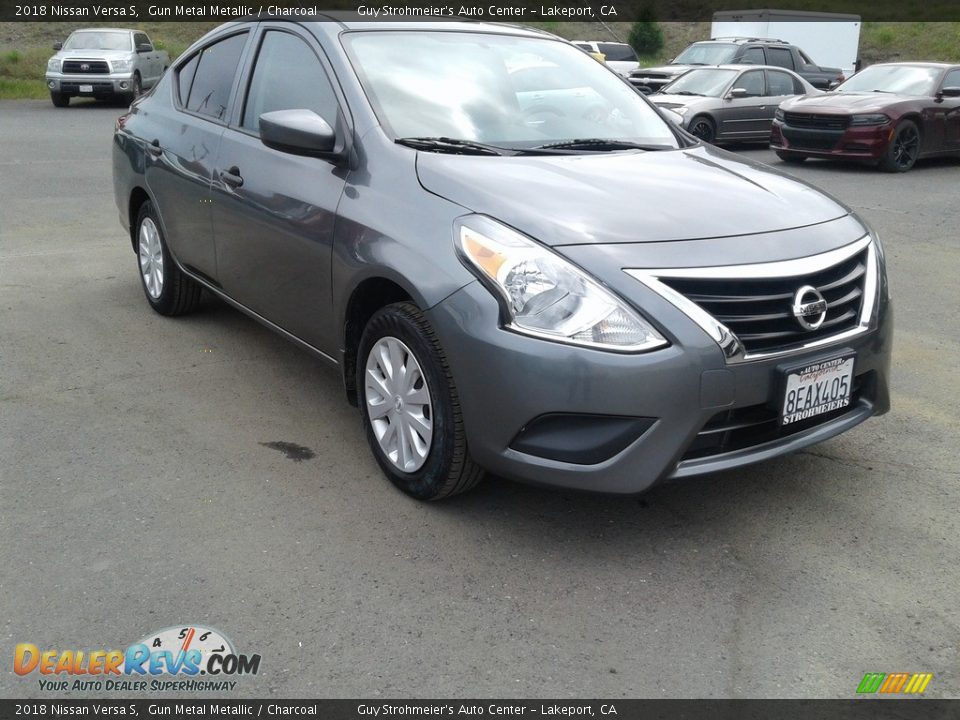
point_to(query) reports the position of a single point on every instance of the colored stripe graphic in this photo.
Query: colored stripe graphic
(918, 683)
(871, 682)
(893, 683)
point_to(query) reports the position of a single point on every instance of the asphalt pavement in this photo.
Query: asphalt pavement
(159, 472)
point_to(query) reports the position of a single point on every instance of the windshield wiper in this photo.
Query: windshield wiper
(685, 92)
(450, 145)
(600, 145)
(885, 92)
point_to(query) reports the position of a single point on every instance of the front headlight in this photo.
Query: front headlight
(877, 119)
(53, 65)
(681, 109)
(547, 297)
(778, 114)
(121, 65)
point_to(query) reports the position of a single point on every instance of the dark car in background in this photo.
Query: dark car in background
(737, 51)
(890, 115)
(731, 103)
(524, 293)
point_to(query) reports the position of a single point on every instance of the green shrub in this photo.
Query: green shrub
(646, 37)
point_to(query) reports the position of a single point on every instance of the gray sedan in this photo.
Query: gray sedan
(731, 103)
(525, 293)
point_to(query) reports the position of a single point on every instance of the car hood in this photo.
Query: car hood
(665, 70)
(628, 197)
(92, 54)
(844, 102)
(668, 100)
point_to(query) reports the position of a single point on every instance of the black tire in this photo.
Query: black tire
(59, 99)
(703, 128)
(178, 294)
(448, 468)
(904, 149)
(789, 157)
(136, 91)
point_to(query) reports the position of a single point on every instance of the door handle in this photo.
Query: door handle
(232, 177)
(155, 149)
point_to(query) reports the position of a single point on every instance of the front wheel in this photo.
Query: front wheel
(168, 290)
(59, 99)
(903, 150)
(410, 406)
(703, 128)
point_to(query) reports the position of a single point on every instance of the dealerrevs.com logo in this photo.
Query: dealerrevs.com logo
(174, 658)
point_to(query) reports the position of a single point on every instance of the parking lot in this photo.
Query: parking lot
(141, 487)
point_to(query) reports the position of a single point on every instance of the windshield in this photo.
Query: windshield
(710, 83)
(707, 54)
(514, 92)
(98, 41)
(901, 79)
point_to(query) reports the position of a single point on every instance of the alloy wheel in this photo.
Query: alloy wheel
(398, 404)
(906, 146)
(151, 258)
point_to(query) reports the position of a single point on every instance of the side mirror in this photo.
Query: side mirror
(833, 85)
(737, 93)
(950, 92)
(299, 132)
(58, 46)
(144, 48)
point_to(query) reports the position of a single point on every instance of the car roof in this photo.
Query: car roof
(106, 29)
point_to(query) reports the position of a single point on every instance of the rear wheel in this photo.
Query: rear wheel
(168, 290)
(703, 128)
(410, 406)
(59, 99)
(904, 149)
(789, 157)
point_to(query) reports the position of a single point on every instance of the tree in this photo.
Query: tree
(646, 37)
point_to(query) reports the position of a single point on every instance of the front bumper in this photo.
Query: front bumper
(507, 382)
(99, 85)
(867, 143)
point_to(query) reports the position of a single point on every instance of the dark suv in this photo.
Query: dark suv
(738, 51)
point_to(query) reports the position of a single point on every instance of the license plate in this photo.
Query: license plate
(818, 388)
(86, 88)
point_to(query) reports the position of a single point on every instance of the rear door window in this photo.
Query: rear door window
(781, 57)
(779, 83)
(213, 80)
(753, 56)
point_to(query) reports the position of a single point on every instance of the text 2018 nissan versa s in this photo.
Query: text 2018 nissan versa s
(551, 285)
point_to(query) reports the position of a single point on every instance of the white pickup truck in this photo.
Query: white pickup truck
(104, 63)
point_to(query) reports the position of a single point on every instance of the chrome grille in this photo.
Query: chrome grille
(759, 310)
(85, 67)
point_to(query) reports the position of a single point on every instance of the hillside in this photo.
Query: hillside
(25, 47)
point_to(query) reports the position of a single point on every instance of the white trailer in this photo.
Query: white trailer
(829, 39)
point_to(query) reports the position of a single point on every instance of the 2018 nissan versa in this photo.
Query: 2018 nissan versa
(553, 285)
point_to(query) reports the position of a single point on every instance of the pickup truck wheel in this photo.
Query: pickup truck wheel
(168, 290)
(703, 128)
(904, 149)
(789, 157)
(59, 99)
(410, 407)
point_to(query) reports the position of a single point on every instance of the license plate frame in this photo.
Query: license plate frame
(820, 386)
(86, 89)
